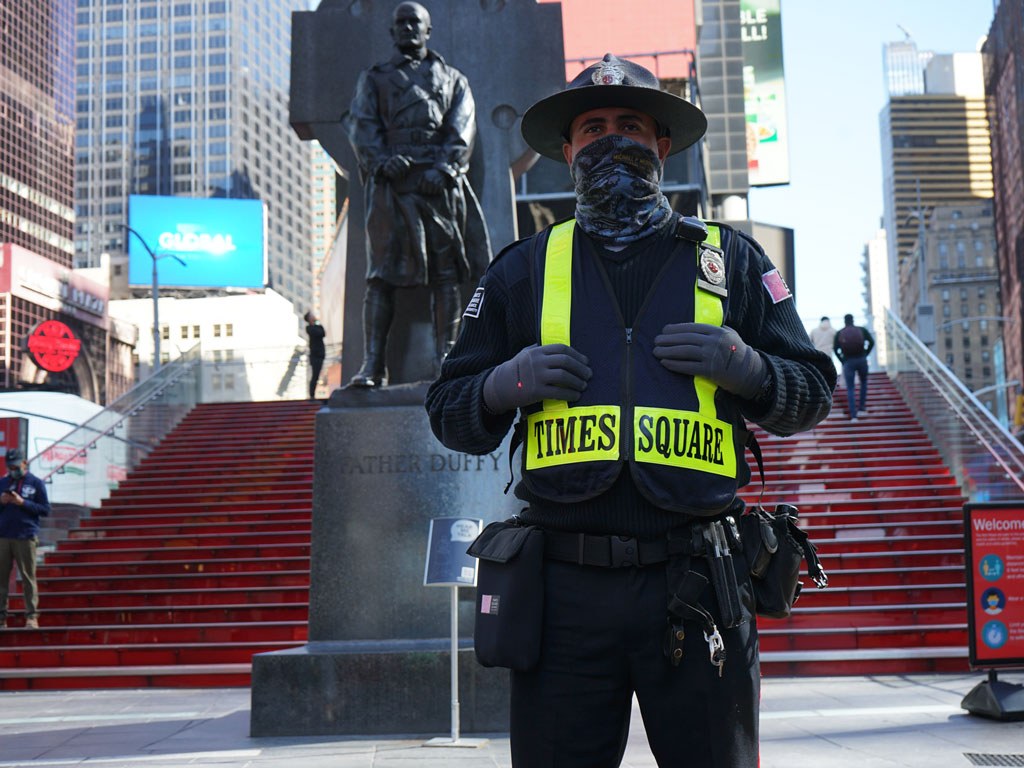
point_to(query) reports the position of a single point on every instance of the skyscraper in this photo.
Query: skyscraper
(903, 66)
(54, 329)
(189, 98)
(938, 189)
(37, 128)
(938, 140)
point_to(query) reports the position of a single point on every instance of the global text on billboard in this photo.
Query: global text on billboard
(220, 242)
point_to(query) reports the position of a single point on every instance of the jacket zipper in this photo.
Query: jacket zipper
(627, 411)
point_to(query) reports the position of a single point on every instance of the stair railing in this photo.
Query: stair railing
(85, 465)
(986, 459)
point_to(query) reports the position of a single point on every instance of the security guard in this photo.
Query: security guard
(634, 344)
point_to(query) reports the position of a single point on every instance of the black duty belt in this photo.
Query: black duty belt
(623, 551)
(604, 551)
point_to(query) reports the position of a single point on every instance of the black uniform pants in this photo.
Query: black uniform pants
(603, 635)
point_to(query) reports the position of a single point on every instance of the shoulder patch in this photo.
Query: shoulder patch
(475, 303)
(776, 286)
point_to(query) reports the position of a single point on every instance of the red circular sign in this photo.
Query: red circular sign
(53, 346)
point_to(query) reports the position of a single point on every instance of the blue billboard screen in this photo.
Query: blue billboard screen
(220, 242)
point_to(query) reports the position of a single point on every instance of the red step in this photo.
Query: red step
(183, 574)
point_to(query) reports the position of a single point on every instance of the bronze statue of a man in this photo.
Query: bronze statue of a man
(412, 123)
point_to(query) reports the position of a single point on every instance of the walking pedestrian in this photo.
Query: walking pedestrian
(852, 345)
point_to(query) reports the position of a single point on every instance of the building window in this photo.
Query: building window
(229, 329)
(165, 332)
(949, 359)
(195, 331)
(949, 342)
(216, 330)
(184, 331)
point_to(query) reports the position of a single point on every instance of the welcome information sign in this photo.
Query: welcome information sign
(994, 546)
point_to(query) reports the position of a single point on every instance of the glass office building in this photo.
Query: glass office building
(189, 98)
(54, 330)
(37, 128)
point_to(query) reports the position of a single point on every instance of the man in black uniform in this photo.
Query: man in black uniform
(412, 124)
(634, 343)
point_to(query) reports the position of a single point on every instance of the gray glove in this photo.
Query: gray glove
(551, 372)
(716, 353)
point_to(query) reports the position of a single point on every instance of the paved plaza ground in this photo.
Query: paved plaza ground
(876, 722)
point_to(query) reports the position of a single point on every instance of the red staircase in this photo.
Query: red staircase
(196, 562)
(887, 518)
(201, 557)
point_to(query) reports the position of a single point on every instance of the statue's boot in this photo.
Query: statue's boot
(446, 301)
(378, 310)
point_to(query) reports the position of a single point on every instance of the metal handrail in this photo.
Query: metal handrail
(118, 415)
(987, 460)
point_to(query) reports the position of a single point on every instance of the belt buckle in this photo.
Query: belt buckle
(625, 552)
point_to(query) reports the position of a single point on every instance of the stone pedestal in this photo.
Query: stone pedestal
(377, 660)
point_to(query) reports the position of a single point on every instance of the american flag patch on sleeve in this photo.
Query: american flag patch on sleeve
(776, 286)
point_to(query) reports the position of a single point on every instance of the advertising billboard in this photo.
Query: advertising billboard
(197, 242)
(764, 92)
(994, 538)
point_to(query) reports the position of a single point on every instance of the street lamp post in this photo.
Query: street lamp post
(156, 292)
(925, 310)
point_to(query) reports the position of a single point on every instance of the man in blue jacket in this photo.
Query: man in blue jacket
(22, 502)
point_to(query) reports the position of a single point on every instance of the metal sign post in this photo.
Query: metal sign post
(448, 565)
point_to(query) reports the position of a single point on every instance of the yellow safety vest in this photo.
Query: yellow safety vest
(667, 427)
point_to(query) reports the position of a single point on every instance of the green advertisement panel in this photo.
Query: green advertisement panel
(764, 92)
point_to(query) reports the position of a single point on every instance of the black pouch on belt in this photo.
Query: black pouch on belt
(775, 546)
(723, 575)
(509, 595)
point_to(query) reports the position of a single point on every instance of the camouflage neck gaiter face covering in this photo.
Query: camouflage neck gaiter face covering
(618, 190)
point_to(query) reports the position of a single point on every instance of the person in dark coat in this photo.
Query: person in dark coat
(317, 351)
(23, 502)
(633, 345)
(412, 123)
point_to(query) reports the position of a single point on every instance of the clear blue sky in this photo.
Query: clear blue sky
(835, 91)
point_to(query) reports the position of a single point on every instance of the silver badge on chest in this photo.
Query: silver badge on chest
(712, 270)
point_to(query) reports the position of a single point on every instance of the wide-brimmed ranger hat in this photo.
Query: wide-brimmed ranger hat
(611, 82)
